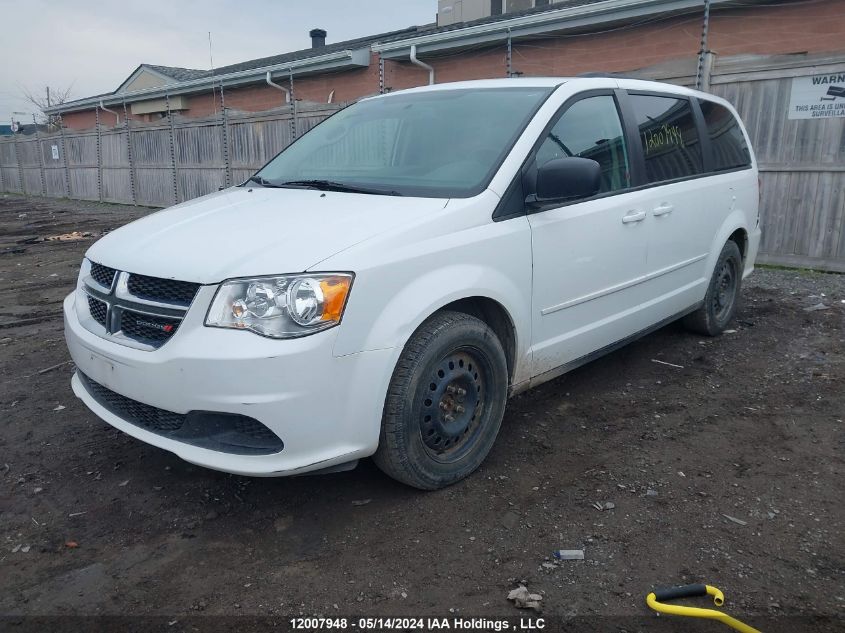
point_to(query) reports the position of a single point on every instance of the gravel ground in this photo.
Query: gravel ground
(726, 470)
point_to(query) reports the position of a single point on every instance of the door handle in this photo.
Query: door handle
(633, 216)
(663, 209)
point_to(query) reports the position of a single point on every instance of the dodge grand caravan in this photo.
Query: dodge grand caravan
(383, 285)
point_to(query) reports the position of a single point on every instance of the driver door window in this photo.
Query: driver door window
(591, 128)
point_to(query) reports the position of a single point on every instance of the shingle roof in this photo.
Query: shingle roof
(187, 74)
(433, 29)
(179, 74)
(361, 42)
(190, 74)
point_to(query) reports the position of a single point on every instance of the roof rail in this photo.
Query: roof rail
(599, 75)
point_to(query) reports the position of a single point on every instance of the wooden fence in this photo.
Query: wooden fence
(152, 164)
(802, 162)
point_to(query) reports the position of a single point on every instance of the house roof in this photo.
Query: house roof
(354, 53)
(284, 58)
(201, 78)
(572, 15)
(188, 74)
(493, 19)
(179, 74)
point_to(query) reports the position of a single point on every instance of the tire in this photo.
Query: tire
(445, 402)
(720, 302)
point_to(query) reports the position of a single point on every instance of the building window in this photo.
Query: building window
(496, 7)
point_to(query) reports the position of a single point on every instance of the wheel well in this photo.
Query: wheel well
(496, 317)
(741, 238)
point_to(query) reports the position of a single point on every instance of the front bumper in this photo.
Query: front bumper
(326, 409)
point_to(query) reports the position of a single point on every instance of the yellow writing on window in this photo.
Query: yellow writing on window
(663, 137)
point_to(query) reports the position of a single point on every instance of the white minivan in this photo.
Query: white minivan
(383, 285)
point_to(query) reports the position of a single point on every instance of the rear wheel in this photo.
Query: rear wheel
(720, 302)
(445, 402)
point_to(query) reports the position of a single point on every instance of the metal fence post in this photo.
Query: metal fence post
(226, 161)
(2, 180)
(707, 70)
(64, 156)
(20, 166)
(172, 151)
(702, 52)
(293, 106)
(509, 60)
(227, 166)
(99, 156)
(40, 158)
(129, 155)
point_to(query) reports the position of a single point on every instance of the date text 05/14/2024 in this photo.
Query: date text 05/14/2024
(420, 624)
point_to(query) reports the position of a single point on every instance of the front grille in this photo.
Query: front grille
(137, 310)
(97, 309)
(134, 412)
(158, 289)
(223, 432)
(147, 328)
(103, 275)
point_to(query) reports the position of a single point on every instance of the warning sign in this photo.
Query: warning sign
(818, 97)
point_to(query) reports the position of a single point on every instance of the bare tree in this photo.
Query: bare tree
(47, 98)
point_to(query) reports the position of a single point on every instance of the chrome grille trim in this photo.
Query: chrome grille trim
(119, 300)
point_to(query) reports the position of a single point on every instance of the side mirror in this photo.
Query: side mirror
(567, 179)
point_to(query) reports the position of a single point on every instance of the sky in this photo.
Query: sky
(93, 46)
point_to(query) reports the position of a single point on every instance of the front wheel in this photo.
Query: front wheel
(722, 296)
(445, 402)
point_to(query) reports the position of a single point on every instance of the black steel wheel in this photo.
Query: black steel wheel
(720, 302)
(453, 409)
(724, 289)
(445, 402)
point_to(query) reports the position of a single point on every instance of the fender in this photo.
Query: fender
(406, 310)
(735, 220)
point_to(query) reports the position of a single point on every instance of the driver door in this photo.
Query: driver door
(589, 255)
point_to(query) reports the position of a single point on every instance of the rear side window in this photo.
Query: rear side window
(669, 136)
(730, 151)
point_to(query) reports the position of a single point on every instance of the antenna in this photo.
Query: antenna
(211, 60)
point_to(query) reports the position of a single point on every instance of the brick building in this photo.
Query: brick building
(480, 39)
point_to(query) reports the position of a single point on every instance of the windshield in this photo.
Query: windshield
(443, 143)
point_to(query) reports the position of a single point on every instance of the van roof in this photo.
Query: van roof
(554, 82)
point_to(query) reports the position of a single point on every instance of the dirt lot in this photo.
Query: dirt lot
(750, 426)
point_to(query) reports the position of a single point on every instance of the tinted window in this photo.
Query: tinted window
(730, 150)
(590, 128)
(443, 143)
(669, 136)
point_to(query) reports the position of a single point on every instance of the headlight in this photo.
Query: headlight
(286, 306)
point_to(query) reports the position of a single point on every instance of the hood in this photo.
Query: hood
(241, 232)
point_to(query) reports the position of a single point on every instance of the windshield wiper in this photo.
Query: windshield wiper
(331, 185)
(263, 182)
